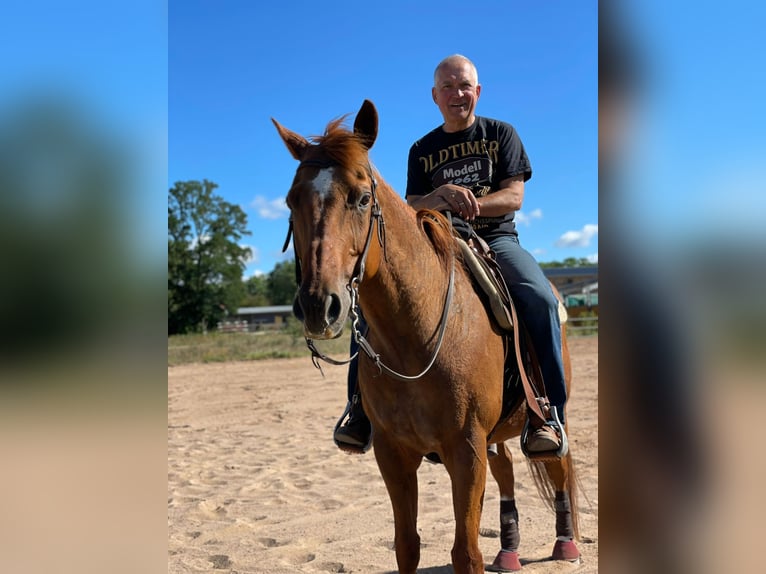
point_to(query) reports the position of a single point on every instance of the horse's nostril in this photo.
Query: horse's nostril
(333, 309)
(318, 313)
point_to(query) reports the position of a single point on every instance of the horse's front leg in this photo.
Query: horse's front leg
(501, 466)
(467, 467)
(399, 471)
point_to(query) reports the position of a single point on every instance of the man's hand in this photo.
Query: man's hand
(459, 200)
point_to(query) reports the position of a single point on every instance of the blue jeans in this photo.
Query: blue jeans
(537, 308)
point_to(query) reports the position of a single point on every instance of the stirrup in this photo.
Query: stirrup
(344, 446)
(546, 455)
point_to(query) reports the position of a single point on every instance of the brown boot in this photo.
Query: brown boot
(543, 439)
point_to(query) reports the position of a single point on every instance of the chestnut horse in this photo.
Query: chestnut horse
(431, 375)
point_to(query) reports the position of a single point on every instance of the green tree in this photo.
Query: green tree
(569, 262)
(205, 259)
(281, 283)
(256, 292)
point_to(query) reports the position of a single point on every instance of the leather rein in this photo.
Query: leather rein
(376, 217)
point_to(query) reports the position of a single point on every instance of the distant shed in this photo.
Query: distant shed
(270, 317)
(577, 285)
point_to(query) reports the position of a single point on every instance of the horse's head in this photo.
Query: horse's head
(330, 203)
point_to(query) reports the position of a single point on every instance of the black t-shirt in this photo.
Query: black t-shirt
(478, 158)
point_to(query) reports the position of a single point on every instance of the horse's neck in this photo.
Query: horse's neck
(410, 282)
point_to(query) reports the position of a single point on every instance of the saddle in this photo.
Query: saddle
(480, 261)
(522, 374)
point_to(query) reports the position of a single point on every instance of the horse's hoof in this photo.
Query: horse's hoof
(505, 561)
(566, 550)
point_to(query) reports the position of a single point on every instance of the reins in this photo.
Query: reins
(376, 219)
(370, 352)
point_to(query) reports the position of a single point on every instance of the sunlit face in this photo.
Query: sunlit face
(456, 91)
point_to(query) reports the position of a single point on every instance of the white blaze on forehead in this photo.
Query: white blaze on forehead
(323, 182)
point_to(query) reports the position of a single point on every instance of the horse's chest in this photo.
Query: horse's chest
(405, 415)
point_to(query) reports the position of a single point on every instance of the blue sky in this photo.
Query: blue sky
(233, 65)
(103, 66)
(694, 174)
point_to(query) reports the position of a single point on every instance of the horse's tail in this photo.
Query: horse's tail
(541, 474)
(439, 232)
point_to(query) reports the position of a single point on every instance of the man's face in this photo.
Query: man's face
(456, 92)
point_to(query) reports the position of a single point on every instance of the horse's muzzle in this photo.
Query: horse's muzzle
(323, 316)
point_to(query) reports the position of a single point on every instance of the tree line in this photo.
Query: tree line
(569, 262)
(206, 261)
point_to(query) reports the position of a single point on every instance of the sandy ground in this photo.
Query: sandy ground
(256, 485)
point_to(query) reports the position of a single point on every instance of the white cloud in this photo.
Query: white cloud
(270, 208)
(255, 255)
(526, 219)
(592, 258)
(578, 238)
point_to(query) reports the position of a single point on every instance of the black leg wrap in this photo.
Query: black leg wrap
(509, 526)
(563, 515)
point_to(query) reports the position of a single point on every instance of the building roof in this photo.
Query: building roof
(270, 310)
(573, 272)
(569, 280)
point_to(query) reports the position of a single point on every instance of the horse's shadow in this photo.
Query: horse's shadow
(447, 569)
(430, 570)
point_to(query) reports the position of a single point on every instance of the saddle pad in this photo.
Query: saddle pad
(488, 285)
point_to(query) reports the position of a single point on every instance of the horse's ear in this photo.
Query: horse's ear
(366, 124)
(297, 144)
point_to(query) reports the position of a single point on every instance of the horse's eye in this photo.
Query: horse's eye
(365, 200)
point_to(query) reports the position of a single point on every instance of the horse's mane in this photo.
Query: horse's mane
(341, 145)
(439, 231)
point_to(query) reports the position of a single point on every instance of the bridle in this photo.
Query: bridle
(376, 220)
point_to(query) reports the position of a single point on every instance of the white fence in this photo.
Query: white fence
(233, 327)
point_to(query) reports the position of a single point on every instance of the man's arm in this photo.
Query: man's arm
(507, 199)
(461, 201)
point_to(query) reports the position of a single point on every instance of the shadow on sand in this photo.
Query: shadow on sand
(431, 570)
(447, 569)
